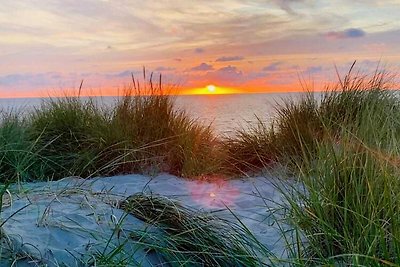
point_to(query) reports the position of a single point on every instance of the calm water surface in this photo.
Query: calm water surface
(224, 112)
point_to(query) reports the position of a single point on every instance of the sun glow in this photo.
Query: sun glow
(211, 88)
(213, 191)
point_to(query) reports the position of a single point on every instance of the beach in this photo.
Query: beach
(67, 221)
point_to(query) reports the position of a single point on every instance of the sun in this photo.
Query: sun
(211, 88)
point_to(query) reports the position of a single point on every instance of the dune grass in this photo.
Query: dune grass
(165, 139)
(300, 125)
(67, 131)
(190, 237)
(344, 148)
(20, 158)
(142, 132)
(349, 211)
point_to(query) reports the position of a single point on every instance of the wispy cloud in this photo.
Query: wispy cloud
(229, 69)
(202, 67)
(162, 68)
(273, 66)
(108, 38)
(231, 58)
(313, 69)
(349, 33)
(199, 50)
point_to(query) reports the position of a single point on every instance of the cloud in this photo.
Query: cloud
(349, 33)
(199, 50)
(202, 67)
(119, 75)
(228, 69)
(273, 66)
(232, 58)
(229, 75)
(162, 68)
(313, 69)
(93, 36)
(286, 5)
(35, 79)
(122, 74)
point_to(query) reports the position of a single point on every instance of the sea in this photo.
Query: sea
(225, 113)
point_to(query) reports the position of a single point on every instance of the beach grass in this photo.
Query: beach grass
(301, 124)
(142, 132)
(67, 131)
(345, 208)
(191, 237)
(165, 139)
(20, 158)
(341, 146)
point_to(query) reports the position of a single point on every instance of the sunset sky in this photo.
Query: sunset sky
(235, 45)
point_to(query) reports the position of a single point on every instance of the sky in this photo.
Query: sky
(239, 46)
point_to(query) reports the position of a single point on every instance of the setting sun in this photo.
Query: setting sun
(211, 88)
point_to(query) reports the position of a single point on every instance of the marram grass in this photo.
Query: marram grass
(71, 136)
(300, 125)
(348, 210)
(165, 138)
(190, 237)
(343, 148)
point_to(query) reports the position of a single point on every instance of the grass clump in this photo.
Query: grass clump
(250, 149)
(142, 132)
(165, 138)
(291, 137)
(345, 149)
(301, 125)
(67, 132)
(191, 238)
(347, 209)
(20, 158)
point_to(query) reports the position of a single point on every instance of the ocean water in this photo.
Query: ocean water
(225, 113)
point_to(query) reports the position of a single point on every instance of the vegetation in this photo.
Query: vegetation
(191, 238)
(349, 210)
(345, 150)
(67, 131)
(301, 125)
(343, 146)
(163, 138)
(70, 136)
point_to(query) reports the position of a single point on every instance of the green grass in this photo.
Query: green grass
(190, 237)
(344, 148)
(143, 132)
(345, 151)
(251, 149)
(166, 139)
(67, 131)
(300, 125)
(20, 158)
(290, 138)
(350, 209)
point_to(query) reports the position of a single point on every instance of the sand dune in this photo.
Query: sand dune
(65, 222)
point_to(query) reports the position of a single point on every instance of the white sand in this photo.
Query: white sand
(67, 221)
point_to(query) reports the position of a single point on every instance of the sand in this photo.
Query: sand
(68, 221)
